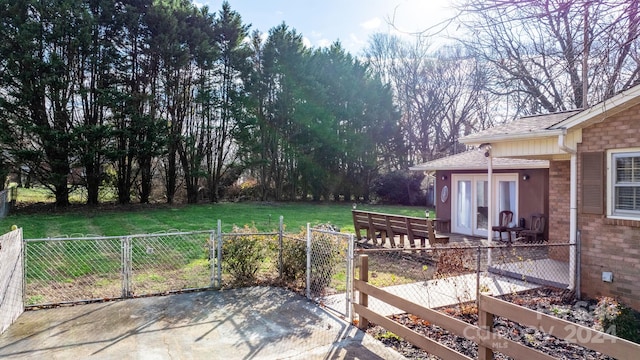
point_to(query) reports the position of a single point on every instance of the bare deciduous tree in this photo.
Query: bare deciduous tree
(546, 54)
(441, 94)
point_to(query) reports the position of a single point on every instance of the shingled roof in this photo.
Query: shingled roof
(525, 126)
(475, 160)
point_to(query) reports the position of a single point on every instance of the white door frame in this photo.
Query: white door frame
(455, 214)
(473, 229)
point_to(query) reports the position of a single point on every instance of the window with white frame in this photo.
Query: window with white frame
(625, 184)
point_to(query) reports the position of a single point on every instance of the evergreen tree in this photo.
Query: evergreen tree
(43, 42)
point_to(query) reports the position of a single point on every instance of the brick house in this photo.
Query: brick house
(591, 191)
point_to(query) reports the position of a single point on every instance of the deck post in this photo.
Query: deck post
(485, 321)
(364, 298)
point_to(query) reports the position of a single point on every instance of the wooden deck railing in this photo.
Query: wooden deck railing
(482, 334)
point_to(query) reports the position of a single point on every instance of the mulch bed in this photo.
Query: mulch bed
(554, 302)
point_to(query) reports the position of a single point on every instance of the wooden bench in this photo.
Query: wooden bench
(389, 225)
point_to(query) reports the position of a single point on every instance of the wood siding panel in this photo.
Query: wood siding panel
(542, 147)
(525, 148)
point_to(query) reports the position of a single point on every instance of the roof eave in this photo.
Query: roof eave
(511, 137)
(600, 111)
(463, 168)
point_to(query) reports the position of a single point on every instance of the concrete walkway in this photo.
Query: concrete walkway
(249, 323)
(541, 271)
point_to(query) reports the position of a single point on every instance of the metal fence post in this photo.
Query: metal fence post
(24, 272)
(129, 243)
(219, 254)
(123, 260)
(577, 250)
(349, 292)
(280, 234)
(212, 257)
(308, 260)
(126, 266)
(479, 252)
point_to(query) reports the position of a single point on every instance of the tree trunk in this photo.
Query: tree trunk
(93, 184)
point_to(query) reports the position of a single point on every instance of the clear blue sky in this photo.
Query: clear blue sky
(322, 22)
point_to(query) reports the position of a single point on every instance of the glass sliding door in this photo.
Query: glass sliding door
(462, 222)
(506, 195)
(482, 207)
(506, 198)
(470, 202)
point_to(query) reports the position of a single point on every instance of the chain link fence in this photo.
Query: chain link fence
(247, 257)
(450, 277)
(539, 278)
(162, 263)
(313, 262)
(63, 270)
(330, 268)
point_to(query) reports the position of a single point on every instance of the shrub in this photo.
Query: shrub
(326, 253)
(243, 254)
(399, 187)
(388, 335)
(248, 190)
(294, 258)
(616, 319)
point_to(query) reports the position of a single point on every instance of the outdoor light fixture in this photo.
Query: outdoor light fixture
(525, 177)
(487, 149)
(444, 177)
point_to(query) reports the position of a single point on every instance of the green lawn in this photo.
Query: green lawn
(83, 221)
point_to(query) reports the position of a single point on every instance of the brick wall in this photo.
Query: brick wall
(610, 244)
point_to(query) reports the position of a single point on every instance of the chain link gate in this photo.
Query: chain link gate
(163, 263)
(64, 270)
(330, 269)
(68, 270)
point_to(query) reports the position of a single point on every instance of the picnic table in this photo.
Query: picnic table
(390, 225)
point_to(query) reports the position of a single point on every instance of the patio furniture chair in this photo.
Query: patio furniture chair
(536, 229)
(505, 219)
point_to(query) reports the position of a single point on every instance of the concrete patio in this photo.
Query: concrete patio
(248, 323)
